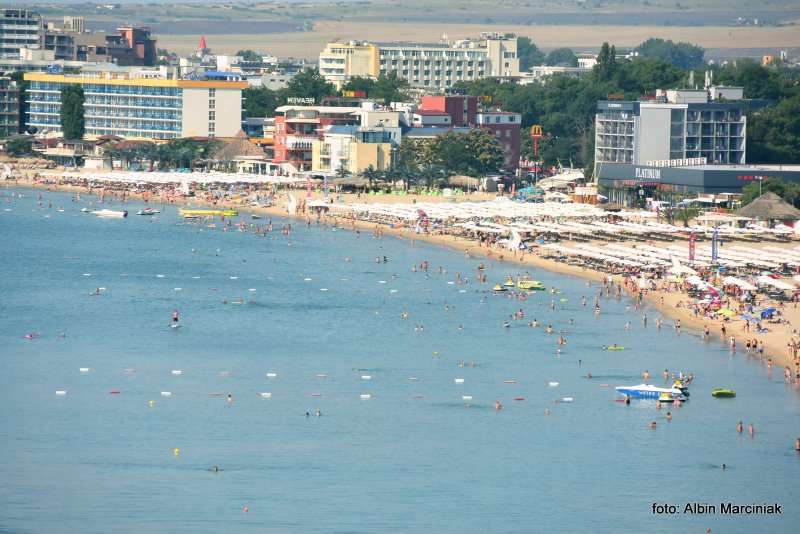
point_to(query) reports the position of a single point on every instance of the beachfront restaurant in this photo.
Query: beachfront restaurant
(630, 185)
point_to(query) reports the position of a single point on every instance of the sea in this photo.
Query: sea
(112, 420)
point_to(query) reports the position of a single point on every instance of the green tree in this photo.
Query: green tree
(475, 153)
(788, 191)
(686, 213)
(606, 63)
(773, 135)
(562, 57)
(528, 53)
(249, 55)
(311, 84)
(19, 146)
(261, 102)
(72, 118)
(681, 55)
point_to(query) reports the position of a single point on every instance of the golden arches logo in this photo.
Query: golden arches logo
(536, 131)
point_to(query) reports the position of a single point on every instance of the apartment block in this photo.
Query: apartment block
(139, 107)
(19, 28)
(9, 107)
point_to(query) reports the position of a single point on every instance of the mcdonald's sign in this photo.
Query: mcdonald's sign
(536, 131)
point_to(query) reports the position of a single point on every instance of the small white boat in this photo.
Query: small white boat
(459, 380)
(148, 211)
(266, 395)
(366, 396)
(110, 214)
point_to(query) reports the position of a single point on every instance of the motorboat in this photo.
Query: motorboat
(509, 282)
(723, 393)
(148, 211)
(649, 391)
(111, 214)
(530, 285)
(498, 288)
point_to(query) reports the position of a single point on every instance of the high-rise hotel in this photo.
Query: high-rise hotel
(133, 107)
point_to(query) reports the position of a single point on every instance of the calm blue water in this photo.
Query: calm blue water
(91, 461)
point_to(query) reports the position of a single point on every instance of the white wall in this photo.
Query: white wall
(653, 134)
(228, 112)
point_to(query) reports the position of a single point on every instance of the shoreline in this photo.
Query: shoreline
(776, 342)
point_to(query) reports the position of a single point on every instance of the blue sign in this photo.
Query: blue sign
(714, 245)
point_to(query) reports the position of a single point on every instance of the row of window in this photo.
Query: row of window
(428, 63)
(108, 89)
(438, 74)
(470, 54)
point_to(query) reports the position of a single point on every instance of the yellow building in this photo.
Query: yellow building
(351, 149)
(339, 61)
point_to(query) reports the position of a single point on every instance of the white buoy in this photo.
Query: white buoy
(366, 396)
(159, 276)
(382, 281)
(552, 384)
(272, 375)
(462, 290)
(233, 277)
(322, 375)
(567, 399)
(466, 397)
(61, 392)
(366, 377)
(84, 370)
(166, 393)
(178, 289)
(266, 395)
(87, 274)
(177, 372)
(306, 279)
(251, 289)
(459, 380)
(323, 289)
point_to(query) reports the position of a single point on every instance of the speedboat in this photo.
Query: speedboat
(509, 282)
(147, 211)
(648, 391)
(531, 285)
(498, 288)
(723, 393)
(110, 214)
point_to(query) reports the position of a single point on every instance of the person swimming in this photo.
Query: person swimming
(175, 315)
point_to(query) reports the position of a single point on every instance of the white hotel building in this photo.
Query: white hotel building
(432, 67)
(139, 107)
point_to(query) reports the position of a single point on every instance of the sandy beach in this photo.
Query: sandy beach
(777, 348)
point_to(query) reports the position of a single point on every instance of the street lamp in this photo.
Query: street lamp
(760, 179)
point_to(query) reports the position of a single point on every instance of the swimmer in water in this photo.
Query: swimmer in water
(498, 405)
(174, 313)
(318, 413)
(230, 398)
(215, 469)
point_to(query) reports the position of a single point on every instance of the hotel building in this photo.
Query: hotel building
(140, 108)
(676, 125)
(433, 67)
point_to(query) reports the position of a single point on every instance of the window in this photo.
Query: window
(211, 127)
(508, 133)
(212, 115)
(212, 104)
(212, 93)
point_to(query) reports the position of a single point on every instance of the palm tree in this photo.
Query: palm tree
(342, 172)
(370, 174)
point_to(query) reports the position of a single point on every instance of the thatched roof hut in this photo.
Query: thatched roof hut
(464, 181)
(770, 207)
